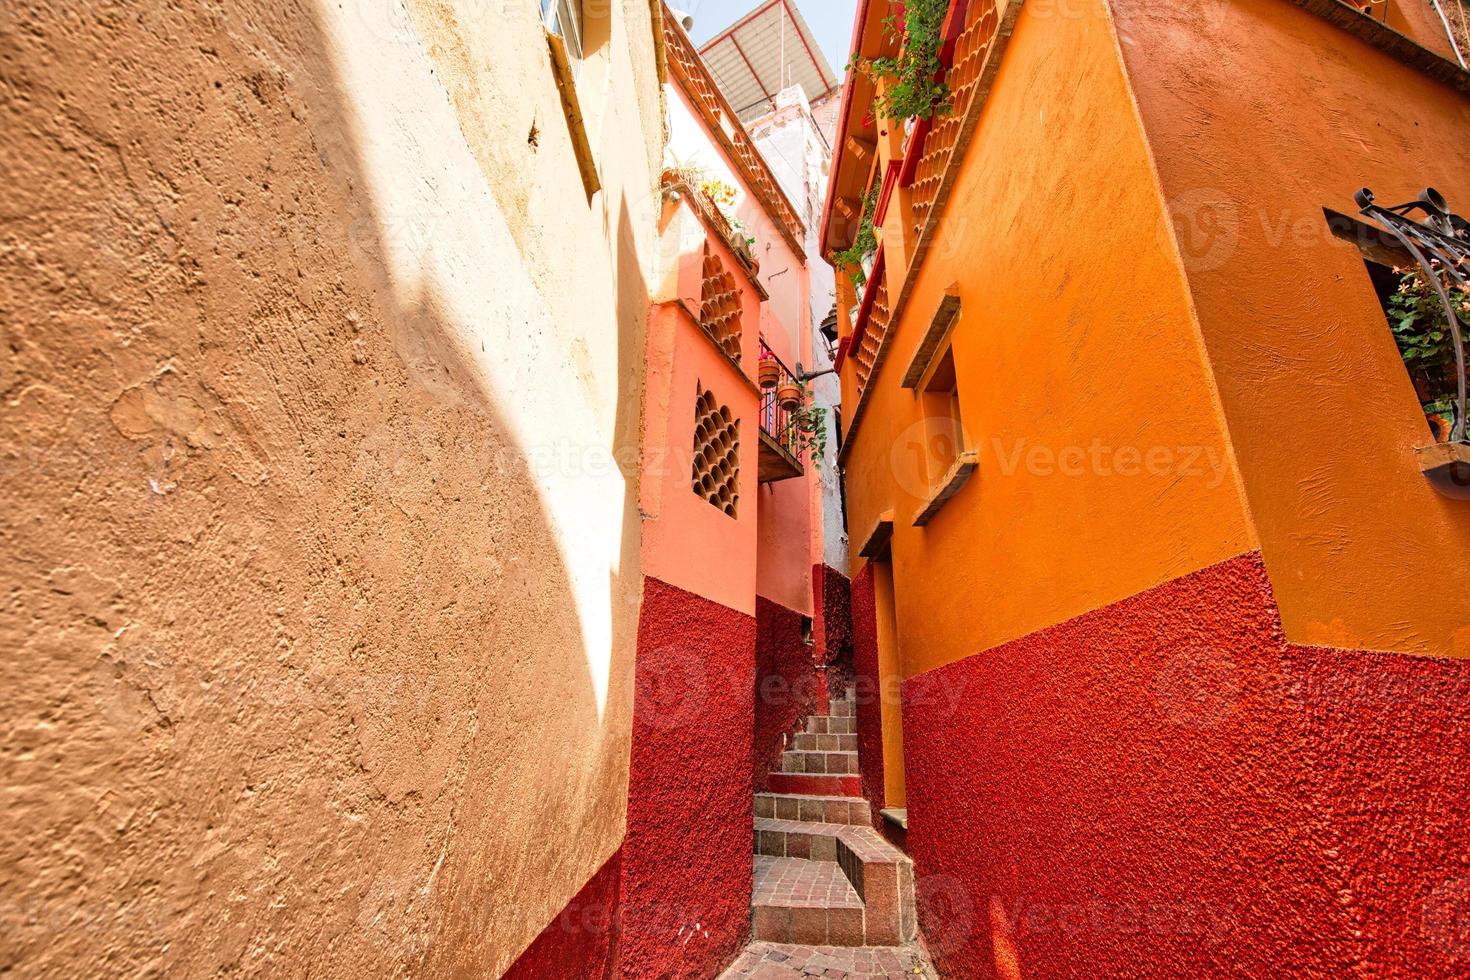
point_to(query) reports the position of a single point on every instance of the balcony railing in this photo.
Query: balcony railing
(780, 439)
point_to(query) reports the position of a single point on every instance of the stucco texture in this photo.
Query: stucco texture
(786, 684)
(1082, 385)
(1320, 411)
(302, 675)
(686, 864)
(1166, 787)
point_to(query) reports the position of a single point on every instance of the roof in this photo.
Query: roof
(767, 50)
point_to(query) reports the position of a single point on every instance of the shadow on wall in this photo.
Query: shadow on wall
(298, 679)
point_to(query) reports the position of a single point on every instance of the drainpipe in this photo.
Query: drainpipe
(1450, 31)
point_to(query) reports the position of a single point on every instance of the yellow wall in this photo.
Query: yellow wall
(320, 513)
(1103, 466)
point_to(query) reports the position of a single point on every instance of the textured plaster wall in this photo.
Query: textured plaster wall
(687, 860)
(321, 590)
(1321, 412)
(1103, 465)
(1167, 787)
(868, 680)
(785, 684)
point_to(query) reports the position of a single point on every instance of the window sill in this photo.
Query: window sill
(954, 481)
(1446, 464)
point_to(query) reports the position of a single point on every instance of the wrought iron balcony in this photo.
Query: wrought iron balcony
(780, 447)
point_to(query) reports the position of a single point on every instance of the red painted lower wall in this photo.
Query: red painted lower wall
(686, 867)
(786, 684)
(867, 689)
(832, 630)
(582, 941)
(1166, 788)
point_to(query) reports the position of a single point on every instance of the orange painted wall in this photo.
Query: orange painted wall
(687, 542)
(1076, 332)
(1362, 553)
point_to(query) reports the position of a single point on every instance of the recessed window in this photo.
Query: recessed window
(943, 434)
(564, 19)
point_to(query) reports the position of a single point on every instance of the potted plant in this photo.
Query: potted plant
(788, 396)
(769, 371)
(916, 72)
(1422, 331)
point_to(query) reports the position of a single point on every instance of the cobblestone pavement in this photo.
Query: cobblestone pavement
(770, 961)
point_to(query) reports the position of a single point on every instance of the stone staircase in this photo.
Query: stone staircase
(823, 875)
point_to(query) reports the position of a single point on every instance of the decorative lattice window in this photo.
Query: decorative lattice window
(719, 305)
(716, 475)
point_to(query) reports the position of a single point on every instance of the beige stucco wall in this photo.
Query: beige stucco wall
(321, 582)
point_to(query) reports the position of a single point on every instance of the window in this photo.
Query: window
(564, 19)
(950, 464)
(943, 436)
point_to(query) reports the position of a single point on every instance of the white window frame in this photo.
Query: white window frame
(564, 19)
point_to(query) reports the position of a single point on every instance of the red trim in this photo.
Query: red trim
(870, 295)
(751, 68)
(839, 145)
(786, 8)
(914, 151)
(954, 24)
(842, 348)
(737, 25)
(890, 178)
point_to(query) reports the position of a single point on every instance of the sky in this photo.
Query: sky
(830, 21)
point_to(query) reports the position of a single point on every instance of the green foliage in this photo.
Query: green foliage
(865, 243)
(915, 93)
(1422, 329)
(809, 422)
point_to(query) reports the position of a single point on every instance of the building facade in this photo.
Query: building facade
(323, 368)
(1151, 531)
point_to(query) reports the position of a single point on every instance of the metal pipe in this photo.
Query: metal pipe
(1450, 31)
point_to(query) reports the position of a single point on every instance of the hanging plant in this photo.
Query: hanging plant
(809, 425)
(1421, 327)
(865, 243)
(916, 91)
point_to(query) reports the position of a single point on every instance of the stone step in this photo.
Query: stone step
(831, 725)
(810, 903)
(881, 876)
(812, 808)
(842, 709)
(840, 763)
(814, 784)
(807, 742)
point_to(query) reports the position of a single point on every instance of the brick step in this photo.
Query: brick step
(805, 902)
(842, 709)
(839, 763)
(807, 742)
(880, 875)
(814, 784)
(831, 725)
(812, 808)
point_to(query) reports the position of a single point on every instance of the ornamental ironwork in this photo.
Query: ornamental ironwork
(1440, 242)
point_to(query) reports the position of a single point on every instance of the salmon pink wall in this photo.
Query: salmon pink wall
(1321, 413)
(686, 541)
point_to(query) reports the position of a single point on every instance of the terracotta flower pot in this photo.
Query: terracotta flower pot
(789, 397)
(770, 374)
